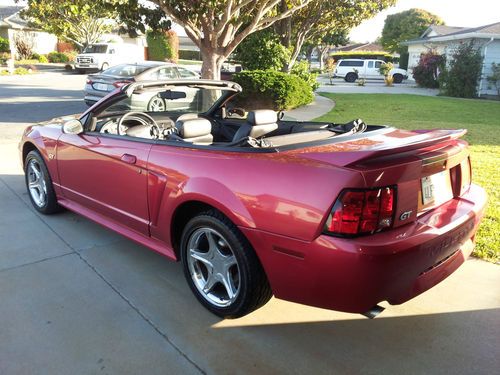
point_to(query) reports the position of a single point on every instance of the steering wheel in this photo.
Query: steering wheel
(144, 119)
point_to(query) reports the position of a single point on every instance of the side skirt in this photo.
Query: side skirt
(150, 243)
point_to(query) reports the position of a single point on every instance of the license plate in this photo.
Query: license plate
(101, 86)
(435, 188)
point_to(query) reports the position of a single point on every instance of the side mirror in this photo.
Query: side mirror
(72, 127)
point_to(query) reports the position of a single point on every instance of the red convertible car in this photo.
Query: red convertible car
(338, 216)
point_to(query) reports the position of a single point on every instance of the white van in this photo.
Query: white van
(352, 69)
(100, 56)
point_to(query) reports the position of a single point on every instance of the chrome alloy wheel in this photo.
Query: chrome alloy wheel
(36, 183)
(156, 104)
(213, 267)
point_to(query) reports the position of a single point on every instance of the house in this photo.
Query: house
(360, 47)
(11, 23)
(445, 39)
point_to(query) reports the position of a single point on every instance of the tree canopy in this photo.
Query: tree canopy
(83, 22)
(406, 25)
(324, 19)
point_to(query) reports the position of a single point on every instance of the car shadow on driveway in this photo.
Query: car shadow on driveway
(422, 336)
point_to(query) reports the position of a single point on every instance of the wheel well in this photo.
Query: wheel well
(185, 212)
(27, 148)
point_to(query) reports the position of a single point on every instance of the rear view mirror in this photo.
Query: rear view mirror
(172, 95)
(73, 126)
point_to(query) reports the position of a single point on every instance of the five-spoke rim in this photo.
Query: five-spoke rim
(156, 104)
(36, 183)
(213, 267)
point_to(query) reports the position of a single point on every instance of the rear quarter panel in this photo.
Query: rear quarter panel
(275, 192)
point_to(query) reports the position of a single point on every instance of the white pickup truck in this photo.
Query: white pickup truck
(101, 56)
(352, 69)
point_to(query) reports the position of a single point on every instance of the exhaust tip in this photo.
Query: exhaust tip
(373, 312)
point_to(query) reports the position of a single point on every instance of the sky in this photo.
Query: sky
(453, 12)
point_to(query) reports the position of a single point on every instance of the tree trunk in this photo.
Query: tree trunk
(212, 63)
(309, 52)
(323, 55)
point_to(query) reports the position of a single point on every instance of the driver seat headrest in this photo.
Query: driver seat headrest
(195, 130)
(262, 117)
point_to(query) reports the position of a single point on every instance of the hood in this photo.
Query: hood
(58, 121)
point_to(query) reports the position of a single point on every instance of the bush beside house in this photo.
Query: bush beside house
(163, 46)
(427, 71)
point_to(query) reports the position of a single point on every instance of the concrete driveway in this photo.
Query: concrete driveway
(78, 299)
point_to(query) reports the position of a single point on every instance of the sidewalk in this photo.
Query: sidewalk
(319, 107)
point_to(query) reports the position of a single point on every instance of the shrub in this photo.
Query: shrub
(163, 46)
(21, 71)
(4, 45)
(426, 73)
(24, 43)
(189, 55)
(462, 76)
(43, 59)
(272, 89)
(57, 57)
(385, 69)
(301, 69)
(71, 55)
(262, 51)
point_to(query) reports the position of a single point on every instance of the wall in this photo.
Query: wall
(492, 55)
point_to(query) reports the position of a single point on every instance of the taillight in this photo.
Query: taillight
(362, 211)
(119, 84)
(89, 81)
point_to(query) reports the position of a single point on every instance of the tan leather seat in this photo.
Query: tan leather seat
(195, 130)
(259, 123)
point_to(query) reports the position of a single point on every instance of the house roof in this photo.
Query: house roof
(446, 33)
(10, 17)
(360, 47)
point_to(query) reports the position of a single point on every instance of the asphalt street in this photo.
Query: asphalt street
(76, 298)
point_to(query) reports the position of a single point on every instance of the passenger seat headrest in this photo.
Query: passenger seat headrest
(262, 117)
(195, 127)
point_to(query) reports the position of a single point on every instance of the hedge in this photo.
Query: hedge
(363, 55)
(57, 57)
(189, 55)
(269, 89)
(163, 46)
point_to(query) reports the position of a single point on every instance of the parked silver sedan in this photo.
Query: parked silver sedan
(101, 84)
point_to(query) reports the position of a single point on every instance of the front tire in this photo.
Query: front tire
(398, 78)
(221, 267)
(39, 184)
(351, 77)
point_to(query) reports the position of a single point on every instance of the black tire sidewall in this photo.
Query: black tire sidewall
(239, 252)
(398, 78)
(349, 79)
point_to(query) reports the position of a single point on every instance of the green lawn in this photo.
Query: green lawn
(480, 117)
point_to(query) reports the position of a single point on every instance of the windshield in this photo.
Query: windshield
(96, 48)
(182, 99)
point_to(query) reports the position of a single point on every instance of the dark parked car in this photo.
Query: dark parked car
(339, 216)
(101, 84)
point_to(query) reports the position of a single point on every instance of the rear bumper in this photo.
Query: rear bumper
(353, 275)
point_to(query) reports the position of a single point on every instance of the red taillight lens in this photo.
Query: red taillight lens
(89, 81)
(119, 84)
(362, 211)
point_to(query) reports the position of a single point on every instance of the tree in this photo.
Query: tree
(217, 27)
(406, 25)
(321, 18)
(262, 51)
(83, 22)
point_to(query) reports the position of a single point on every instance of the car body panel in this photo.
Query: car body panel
(280, 200)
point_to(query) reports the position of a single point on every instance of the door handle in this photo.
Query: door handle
(129, 159)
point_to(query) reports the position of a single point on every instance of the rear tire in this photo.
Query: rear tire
(398, 78)
(351, 77)
(39, 184)
(221, 267)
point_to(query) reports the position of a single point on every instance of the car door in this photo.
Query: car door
(106, 174)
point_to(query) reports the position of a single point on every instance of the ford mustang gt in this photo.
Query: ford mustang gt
(338, 216)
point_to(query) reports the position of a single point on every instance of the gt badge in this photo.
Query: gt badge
(405, 215)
